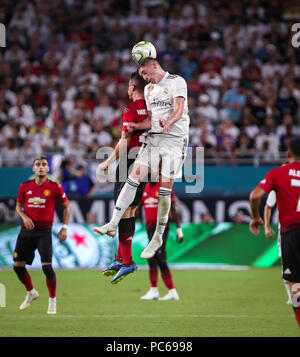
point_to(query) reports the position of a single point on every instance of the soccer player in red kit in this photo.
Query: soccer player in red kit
(136, 112)
(150, 203)
(285, 181)
(35, 205)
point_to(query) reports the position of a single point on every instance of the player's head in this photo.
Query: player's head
(136, 85)
(151, 70)
(293, 152)
(40, 166)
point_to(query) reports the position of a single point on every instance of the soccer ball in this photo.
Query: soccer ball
(141, 51)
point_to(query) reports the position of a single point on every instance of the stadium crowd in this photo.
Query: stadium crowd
(64, 72)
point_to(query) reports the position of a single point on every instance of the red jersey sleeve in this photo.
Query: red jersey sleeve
(267, 184)
(128, 117)
(21, 195)
(60, 194)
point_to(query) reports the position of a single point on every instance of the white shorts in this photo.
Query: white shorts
(169, 151)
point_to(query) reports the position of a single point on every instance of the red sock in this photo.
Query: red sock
(51, 284)
(125, 242)
(167, 278)
(153, 276)
(126, 232)
(24, 277)
(118, 256)
(297, 314)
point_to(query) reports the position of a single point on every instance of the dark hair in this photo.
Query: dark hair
(147, 61)
(139, 81)
(294, 147)
(41, 157)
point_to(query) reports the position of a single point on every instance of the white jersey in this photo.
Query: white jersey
(160, 102)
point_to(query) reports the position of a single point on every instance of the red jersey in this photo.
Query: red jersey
(135, 113)
(285, 180)
(39, 201)
(150, 202)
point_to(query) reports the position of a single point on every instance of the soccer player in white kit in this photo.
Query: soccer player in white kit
(269, 233)
(164, 149)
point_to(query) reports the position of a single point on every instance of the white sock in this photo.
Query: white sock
(287, 288)
(164, 205)
(124, 200)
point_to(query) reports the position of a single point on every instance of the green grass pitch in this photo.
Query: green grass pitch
(213, 303)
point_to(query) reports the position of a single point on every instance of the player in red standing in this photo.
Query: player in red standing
(285, 181)
(159, 260)
(35, 205)
(136, 112)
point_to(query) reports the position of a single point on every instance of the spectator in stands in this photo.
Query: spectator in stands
(234, 100)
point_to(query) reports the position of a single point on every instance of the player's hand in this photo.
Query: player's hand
(28, 223)
(269, 233)
(254, 225)
(165, 125)
(103, 166)
(132, 127)
(62, 234)
(179, 235)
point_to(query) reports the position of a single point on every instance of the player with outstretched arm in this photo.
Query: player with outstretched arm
(35, 205)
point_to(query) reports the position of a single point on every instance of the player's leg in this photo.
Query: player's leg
(161, 257)
(285, 282)
(126, 229)
(164, 205)
(44, 246)
(24, 254)
(125, 199)
(152, 293)
(290, 248)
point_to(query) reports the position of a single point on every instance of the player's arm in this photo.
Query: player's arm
(254, 200)
(119, 150)
(270, 203)
(175, 116)
(143, 125)
(28, 223)
(62, 234)
(176, 219)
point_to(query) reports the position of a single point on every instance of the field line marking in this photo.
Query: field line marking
(146, 316)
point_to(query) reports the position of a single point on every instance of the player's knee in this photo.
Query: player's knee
(163, 266)
(152, 262)
(48, 271)
(161, 255)
(20, 270)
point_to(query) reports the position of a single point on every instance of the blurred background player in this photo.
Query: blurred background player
(35, 205)
(136, 112)
(150, 203)
(269, 233)
(285, 181)
(164, 149)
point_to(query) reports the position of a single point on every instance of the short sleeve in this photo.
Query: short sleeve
(267, 184)
(60, 194)
(21, 194)
(180, 88)
(128, 117)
